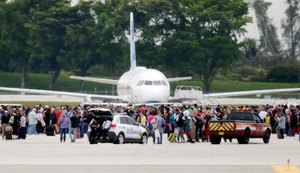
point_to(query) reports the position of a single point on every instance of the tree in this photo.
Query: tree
(3, 49)
(249, 48)
(47, 29)
(291, 26)
(111, 24)
(207, 31)
(15, 35)
(81, 41)
(269, 41)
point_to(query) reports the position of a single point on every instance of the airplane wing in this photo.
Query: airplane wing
(254, 92)
(48, 92)
(179, 79)
(97, 80)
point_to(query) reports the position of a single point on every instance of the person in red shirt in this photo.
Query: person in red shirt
(293, 119)
(58, 114)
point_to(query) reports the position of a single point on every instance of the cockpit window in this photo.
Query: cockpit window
(140, 83)
(164, 83)
(157, 82)
(148, 82)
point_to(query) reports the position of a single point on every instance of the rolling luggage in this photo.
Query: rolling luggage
(172, 138)
(8, 132)
(8, 135)
(50, 130)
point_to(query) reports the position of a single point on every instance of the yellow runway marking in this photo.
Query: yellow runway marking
(286, 169)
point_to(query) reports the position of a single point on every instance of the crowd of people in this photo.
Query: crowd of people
(188, 123)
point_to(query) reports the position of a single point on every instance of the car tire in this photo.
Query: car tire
(245, 139)
(266, 138)
(144, 139)
(215, 140)
(120, 139)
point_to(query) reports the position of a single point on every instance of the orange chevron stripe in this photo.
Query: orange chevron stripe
(212, 127)
(230, 128)
(225, 127)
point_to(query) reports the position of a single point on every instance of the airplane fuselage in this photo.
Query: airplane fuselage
(142, 85)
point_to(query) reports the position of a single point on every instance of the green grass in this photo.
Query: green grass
(41, 81)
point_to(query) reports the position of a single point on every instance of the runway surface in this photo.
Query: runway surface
(42, 153)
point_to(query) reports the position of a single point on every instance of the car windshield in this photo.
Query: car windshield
(242, 116)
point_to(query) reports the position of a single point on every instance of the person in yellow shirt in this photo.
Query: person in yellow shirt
(268, 118)
(143, 119)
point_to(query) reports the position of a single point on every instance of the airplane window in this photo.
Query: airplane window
(164, 83)
(148, 82)
(157, 82)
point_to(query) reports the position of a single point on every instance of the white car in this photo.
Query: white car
(125, 129)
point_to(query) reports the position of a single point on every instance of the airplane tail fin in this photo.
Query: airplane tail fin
(132, 44)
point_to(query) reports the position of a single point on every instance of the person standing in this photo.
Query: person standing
(293, 120)
(32, 121)
(74, 119)
(64, 125)
(180, 125)
(22, 131)
(41, 123)
(16, 123)
(161, 127)
(199, 126)
(5, 122)
(280, 124)
(150, 123)
(142, 119)
(53, 119)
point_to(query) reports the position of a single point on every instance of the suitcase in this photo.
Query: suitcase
(172, 138)
(8, 132)
(50, 130)
(8, 135)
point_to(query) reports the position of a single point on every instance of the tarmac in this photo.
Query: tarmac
(47, 154)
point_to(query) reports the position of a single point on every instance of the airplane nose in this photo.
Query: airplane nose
(152, 95)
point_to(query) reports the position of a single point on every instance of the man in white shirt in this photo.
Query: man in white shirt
(105, 127)
(262, 114)
(32, 122)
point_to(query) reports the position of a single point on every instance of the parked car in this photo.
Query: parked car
(123, 128)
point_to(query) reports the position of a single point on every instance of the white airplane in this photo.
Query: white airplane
(139, 84)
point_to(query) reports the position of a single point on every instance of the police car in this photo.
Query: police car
(123, 128)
